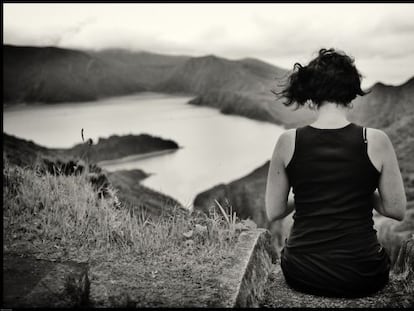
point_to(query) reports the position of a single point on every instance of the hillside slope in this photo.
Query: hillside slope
(57, 75)
(241, 87)
(52, 75)
(143, 68)
(384, 105)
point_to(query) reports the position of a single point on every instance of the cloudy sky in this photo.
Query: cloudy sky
(379, 36)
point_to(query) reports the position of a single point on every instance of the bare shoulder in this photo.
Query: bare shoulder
(286, 139)
(380, 149)
(285, 145)
(378, 140)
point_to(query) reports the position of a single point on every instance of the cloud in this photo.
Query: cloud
(72, 31)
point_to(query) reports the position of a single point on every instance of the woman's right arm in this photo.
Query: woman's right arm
(391, 201)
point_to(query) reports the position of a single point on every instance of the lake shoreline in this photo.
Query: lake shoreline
(135, 157)
(22, 105)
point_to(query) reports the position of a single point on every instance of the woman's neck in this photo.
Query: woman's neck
(331, 115)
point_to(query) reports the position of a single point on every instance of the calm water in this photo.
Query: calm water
(216, 148)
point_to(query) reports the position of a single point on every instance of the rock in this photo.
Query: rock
(141, 282)
(245, 196)
(139, 198)
(256, 272)
(247, 278)
(30, 282)
(405, 260)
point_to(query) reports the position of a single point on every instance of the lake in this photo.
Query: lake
(216, 148)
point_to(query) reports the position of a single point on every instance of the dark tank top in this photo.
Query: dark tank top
(333, 181)
(332, 246)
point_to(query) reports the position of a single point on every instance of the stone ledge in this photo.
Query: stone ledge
(240, 285)
(35, 283)
(247, 278)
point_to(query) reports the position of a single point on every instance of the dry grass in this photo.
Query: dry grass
(64, 211)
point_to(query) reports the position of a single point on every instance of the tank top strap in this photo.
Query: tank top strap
(364, 134)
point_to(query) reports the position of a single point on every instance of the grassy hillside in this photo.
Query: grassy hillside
(62, 218)
(83, 157)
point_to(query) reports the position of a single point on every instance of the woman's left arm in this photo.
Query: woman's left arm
(277, 188)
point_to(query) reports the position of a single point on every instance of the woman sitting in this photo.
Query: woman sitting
(334, 168)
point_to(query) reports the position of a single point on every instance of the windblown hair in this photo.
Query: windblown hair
(331, 76)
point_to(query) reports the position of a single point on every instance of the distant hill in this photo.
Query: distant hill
(200, 75)
(241, 87)
(143, 68)
(52, 75)
(384, 104)
(116, 147)
(32, 74)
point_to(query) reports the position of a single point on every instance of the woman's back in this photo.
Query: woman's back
(333, 181)
(332, 242)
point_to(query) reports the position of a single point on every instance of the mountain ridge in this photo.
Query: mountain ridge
(241, 87)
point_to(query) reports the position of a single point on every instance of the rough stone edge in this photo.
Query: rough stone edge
(405, 260)
(255, 256)
(64, 286)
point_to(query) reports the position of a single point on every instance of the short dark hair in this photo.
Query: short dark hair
(331, 76)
